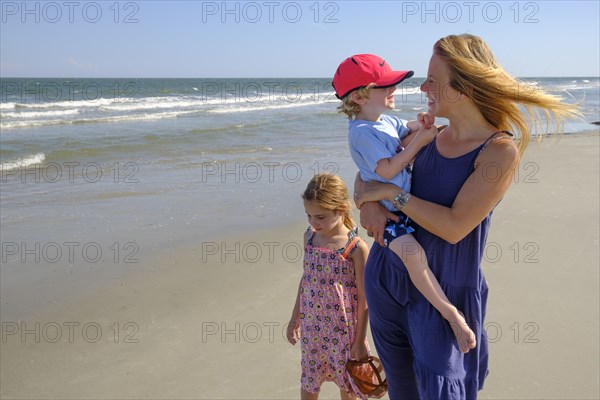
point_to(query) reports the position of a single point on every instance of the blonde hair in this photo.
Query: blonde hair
(349, 107)
(475, 72)
(331, 193)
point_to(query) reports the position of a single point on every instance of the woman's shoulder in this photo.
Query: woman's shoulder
(500, 149)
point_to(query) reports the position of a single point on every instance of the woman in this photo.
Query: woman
(457, 181)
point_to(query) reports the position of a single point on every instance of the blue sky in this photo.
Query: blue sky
(215, 39)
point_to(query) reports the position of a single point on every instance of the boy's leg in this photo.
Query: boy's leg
(410, 252)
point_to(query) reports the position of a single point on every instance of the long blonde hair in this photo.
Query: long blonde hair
(331, 193)
(475, 72)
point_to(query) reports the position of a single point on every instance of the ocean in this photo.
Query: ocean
(124, 167)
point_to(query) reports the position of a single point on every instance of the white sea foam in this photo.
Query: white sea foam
(70, 104)
(118, 118)
(7, 106)
(237, 109)
(38, 114)
(22, 162)
(152, 103)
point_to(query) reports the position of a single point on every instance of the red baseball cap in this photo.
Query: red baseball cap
(360, 70)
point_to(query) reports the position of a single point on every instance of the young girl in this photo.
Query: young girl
(330, 315)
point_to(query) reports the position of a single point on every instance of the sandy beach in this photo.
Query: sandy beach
(207, 321)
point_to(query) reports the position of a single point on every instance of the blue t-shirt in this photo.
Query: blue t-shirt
(371, 141)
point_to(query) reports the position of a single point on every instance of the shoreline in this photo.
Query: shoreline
(206, 318)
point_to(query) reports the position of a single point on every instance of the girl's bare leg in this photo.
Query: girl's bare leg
(346, 396)
(304, 395)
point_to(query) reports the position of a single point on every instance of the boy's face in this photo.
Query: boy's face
(380, 100)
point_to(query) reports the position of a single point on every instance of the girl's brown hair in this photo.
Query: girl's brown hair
(331, 193)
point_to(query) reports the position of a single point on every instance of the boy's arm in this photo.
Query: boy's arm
(413, 127)
(389, 167)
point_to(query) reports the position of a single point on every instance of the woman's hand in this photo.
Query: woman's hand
(373, 191)
(374, 217)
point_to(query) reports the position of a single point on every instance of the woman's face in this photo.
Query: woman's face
(441, 97)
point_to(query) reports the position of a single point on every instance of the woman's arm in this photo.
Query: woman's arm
(373, 216)
(477, 197)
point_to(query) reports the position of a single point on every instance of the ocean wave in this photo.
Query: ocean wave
(32, 124)
(22, 162)
(218, 102)
(37, 114)
(7, 106)
(233, 109)
(70, 104)
(160, 102)
(564, 84)
(221, 128)
(118, 118)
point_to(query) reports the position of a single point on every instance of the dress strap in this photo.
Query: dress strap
(311, 233)
(353, 241)
(493, 139)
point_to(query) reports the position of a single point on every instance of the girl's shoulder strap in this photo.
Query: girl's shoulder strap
(310, 233)
(353, 240)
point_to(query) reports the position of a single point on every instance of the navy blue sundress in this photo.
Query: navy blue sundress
(415, 343)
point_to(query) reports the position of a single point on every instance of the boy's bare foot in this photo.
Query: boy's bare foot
(464, 335)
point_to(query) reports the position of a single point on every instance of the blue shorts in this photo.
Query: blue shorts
(395, 229)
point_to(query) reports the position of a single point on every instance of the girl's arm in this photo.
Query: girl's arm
(293, 328)
(358, 350)
(477, 197)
